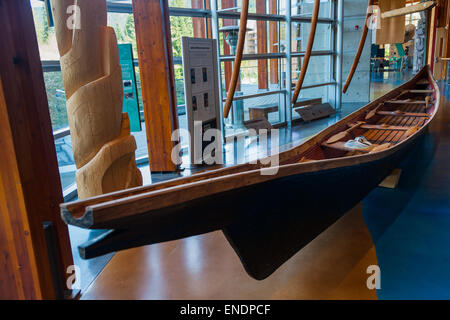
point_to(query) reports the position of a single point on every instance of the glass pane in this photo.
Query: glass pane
(268, 107)
(235, 5)
(66, 161)
(272, 104)
(319, 70)
(253, 82)
(123, 24)
(267, 32)
(315, 93)
(255, 6)
(56, 99)
(181, 27)
(141, 141)
(300, 36)
(48, 48)
(306, 7)
(195, 4)
(256, 76)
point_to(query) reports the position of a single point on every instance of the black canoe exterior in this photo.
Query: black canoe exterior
(266, 224)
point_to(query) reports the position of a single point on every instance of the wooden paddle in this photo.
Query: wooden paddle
(238, 58)
(312, 35)
(384, 126)
(343, 134)
(400, 113)
(420, 91)
(423, 81)
(373, 112)
(427, 102)
(409, 101)
(381, 147)
(409, 10)
(411, 131)
(304, 160)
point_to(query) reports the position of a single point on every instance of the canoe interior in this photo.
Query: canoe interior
(266, 232)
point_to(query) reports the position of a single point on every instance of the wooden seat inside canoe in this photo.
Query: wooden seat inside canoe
(385, 125)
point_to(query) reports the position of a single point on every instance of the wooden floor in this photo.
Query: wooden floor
(333, 266)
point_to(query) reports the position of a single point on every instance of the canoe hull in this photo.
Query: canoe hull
(273, 219)
(285, 227)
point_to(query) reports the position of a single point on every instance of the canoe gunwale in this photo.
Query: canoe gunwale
(239, 179)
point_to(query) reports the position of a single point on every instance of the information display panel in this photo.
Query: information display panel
(201, 93)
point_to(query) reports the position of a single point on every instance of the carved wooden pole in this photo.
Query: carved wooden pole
(102, 144)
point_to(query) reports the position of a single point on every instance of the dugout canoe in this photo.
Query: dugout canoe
(268, 218)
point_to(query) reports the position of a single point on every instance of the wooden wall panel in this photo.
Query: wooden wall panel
(30, 191)
(15, 282)
(261, 40)
(157, 80)
(393, 29)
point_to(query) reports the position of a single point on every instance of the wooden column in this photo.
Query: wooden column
(154, 44)
(261, 40)
(443, 22)
(273, 38)
(30, 188)
(431, 39)
(198, 24)
(208, 20)
(447, 28)
(442, 7)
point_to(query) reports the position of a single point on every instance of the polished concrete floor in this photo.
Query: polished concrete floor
(235, 152)
(382, 82)
(403, 231)
(333, 266)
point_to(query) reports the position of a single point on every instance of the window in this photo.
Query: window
(265, 79)
(269, 68)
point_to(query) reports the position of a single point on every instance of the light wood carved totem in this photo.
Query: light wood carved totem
(103, 147)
